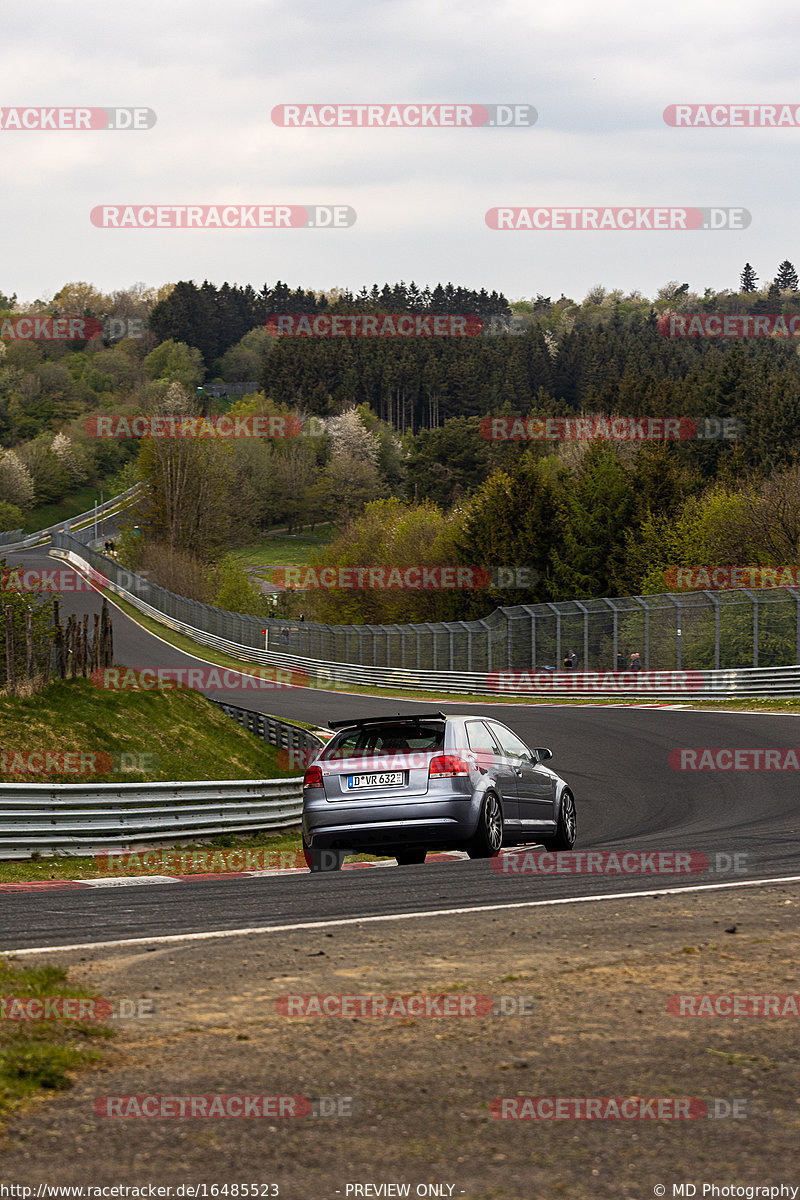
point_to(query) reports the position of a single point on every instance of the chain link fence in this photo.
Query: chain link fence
(706, 630)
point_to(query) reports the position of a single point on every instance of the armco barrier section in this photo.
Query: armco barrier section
(642, 685)
(76, 818)
(116, 503)
(280, 734)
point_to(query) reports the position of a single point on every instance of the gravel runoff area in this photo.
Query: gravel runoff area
(579, 1010)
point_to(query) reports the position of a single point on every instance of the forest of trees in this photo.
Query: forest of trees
(397, 461)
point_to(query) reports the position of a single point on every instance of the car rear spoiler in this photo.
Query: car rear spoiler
(416, 718)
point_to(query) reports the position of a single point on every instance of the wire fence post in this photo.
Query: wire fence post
(796, 595)
(585, 612)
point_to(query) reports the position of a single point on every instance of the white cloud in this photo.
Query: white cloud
(599, 75)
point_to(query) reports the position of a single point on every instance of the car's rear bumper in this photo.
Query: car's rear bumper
(430, 824)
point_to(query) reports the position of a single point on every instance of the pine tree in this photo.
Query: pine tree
(786, 277)
(748, 279)
(773, 303)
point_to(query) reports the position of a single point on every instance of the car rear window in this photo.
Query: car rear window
(374, 740)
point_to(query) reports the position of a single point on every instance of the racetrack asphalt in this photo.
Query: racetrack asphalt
(616, 760)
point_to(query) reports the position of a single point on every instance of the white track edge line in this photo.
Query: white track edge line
(158, 939)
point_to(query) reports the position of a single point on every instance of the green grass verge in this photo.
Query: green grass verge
(181, 735)
(68, 866)
(40, 1056)
(178, 734)
(70, 506)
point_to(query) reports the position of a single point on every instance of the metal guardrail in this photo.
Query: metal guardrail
(223, 390)
(281, 734)
(11, 535)
(109, 506)
(309, 672)
(76, 818)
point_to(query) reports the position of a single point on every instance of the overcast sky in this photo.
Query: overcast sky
(599, 75)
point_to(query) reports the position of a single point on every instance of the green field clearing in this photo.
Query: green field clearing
(280, 551)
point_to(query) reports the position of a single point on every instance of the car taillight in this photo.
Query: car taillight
(313, 777)
(444, 766)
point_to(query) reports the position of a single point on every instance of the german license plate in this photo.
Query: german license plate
(383, 779)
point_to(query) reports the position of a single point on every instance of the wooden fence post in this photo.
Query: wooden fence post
(29, 641)
(11, 680)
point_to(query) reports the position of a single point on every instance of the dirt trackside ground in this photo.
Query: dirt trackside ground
(599, 977)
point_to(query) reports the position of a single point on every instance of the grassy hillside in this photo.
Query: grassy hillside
(172, 735)
(71, 506)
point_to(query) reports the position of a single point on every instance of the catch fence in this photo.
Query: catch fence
(704, 630)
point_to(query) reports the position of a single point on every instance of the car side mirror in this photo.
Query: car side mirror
(542, 753)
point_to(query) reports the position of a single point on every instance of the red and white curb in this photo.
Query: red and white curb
(42, 885)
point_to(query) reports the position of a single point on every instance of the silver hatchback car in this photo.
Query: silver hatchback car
(404, 785)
